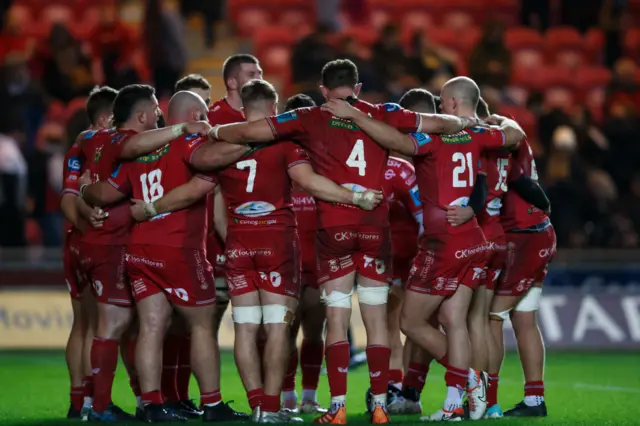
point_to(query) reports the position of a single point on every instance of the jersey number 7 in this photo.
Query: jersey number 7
(253, 166)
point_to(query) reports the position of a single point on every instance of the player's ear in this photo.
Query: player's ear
(324, 91)
(274, 108)
(232, 84)
(356, 89)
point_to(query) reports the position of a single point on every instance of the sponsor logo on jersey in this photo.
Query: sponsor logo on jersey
(391, 107)
(415, 196)
(255, 209)
(155, 156)
(287, 116)
(456, 138)
(421, 138)
(393, 163)
(461, 202)
(88, 134)
(191, 136)
(389, 174)
(74, 164)
(478, 129)
(339, 123)
(116, 171)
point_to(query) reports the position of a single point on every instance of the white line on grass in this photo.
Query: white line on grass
(587, 386)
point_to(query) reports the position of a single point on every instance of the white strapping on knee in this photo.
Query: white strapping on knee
(531, 301)
(503, 316)
(276, 314)
(247, 314)
(337, 299)
(373, 295)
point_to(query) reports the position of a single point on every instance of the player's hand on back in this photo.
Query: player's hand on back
(200, 127)
(341, 109)
(137, 210)
(457, 215)
(97, 217)
(85, 179)
(367, 200)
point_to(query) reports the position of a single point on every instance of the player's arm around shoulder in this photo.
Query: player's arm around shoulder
(143, 143)
(212, 155)
(178, 198)
(259, 131)
(513, 133)
(103, 193)
(384, 135)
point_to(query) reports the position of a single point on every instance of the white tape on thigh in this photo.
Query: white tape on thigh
(531, 301)
(373, 295)
(337, 299)
(276, 314)
(247, 314)
(501, 315)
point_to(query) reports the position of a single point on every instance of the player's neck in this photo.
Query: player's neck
(233, 99)
(254, 115)
(465, 112)
(128, 125)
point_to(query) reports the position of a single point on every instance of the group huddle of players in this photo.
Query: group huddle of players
(442, 241)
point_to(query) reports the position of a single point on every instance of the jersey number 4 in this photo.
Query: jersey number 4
(152, 189)
(356, 158)
(464, 166)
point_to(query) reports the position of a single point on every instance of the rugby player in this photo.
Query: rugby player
(166, 260)
(78, 350)
(448, 256)
(135, 110)
(352, 244)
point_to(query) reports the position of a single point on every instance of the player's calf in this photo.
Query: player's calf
(74, 358)
(312, 349)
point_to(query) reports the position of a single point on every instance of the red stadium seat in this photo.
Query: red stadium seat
(472, 7)
(382, 12)
(632, 41)
(527, 58)
(526, 78)
(594, 44)
(522, 115)
(564, 38)
(273, 47)
(298, 22)
(416, 21)
(434, 9)
(21, 15)
(554, 76)
(503, 10)
(523, 38)
(363, 35)
(458, 20)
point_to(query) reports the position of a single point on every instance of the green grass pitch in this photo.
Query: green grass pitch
(581, 389)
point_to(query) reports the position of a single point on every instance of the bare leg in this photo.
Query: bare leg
(154, 313)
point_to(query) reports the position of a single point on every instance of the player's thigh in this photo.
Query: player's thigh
(495, 263)
(527, 260)
(107, 272)
(73, 275)
(197, 316)
(154, 314)
(183, 275)
(335, 248)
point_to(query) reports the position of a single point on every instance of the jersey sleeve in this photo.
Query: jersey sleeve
(294, 154)
(72, 168)
(190, 145)
(117, 141)
(423, 143)
(515, 172)
(407, 189)
(119, 179)
(491, 138)
(289, 125)
(402, 119)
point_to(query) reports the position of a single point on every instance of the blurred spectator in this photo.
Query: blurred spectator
(211, 11)
(23, 93)
(583, 16)
(329, 10)
(611, 20)
(310, 55)
(624, 88)
(630, 203)
(165, 37)
(113, 47)
(13, 182)
(13, 38)
(45, 181)
(67, 71)
(350, 48)
(389, 60)
(535, 14)
(426, 59)
(490, 60)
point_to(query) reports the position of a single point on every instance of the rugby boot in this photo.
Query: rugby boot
(523, 410)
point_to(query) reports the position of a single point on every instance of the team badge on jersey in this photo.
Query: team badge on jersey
(98, 154)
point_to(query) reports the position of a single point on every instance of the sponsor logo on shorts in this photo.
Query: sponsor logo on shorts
(349, 235)
(446, 284)
(137, 259)
(379, 264)
(220, 259)
(237, 282)
(389, 174)
(180, 293)
(236, 253)
(200, 270)
(306, 200)
(139, 287)
(463, 254)
(496, 274)
(273, 277)
(478, 273)
(255, 209)
(548, 252)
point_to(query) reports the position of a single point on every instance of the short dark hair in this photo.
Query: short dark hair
(299, 101)
(339, 73)
(192, 81)
(482, 110)
(232, 65)
(415, 97)
(100, 99)
(258, 90)
(127, 99)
